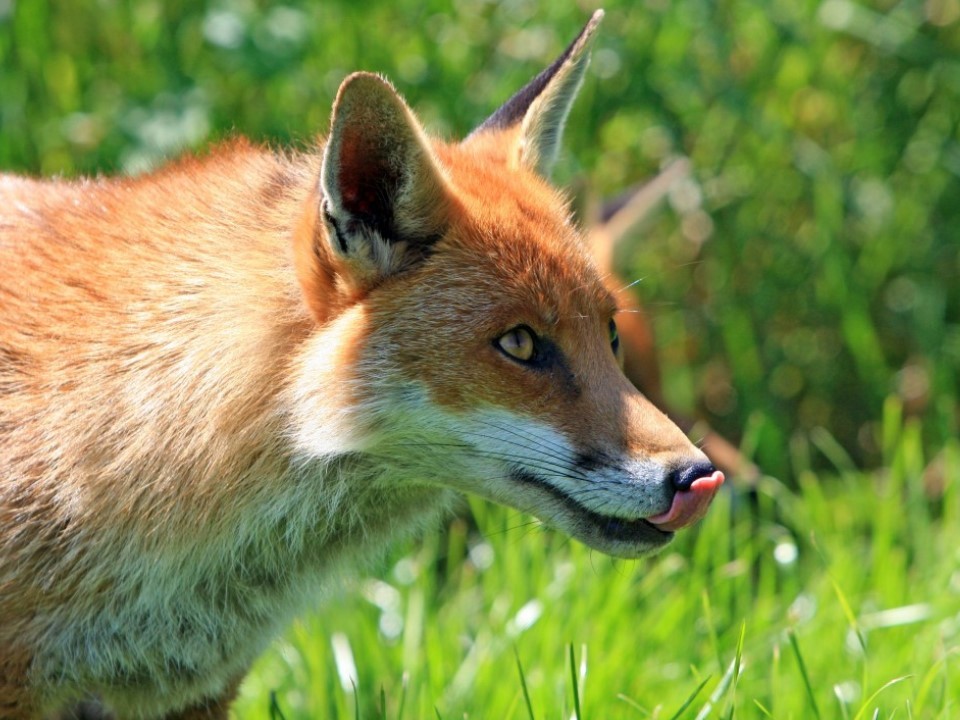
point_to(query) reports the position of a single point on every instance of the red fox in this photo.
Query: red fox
(226, 382)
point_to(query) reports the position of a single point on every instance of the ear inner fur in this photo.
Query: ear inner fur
(384, 194)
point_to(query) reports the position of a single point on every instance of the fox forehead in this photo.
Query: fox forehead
(514, 237)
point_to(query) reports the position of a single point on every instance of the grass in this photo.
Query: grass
(838, 599)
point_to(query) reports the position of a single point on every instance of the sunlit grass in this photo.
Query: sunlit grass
(840, 599)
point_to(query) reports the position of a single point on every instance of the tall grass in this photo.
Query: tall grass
(838, 599)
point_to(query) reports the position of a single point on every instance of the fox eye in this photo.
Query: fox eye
(614, 337)
(518, 343)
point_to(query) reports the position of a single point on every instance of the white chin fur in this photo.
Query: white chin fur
(525, 464)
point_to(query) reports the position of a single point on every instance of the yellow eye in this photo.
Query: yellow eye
(614, 337)
(518, 343)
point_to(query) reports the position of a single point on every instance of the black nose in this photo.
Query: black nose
(682, 477)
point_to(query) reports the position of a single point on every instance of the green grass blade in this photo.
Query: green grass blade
(739, 657)
(634, 704)
(869, 700)
(762, 709)
(803, 672)
(275, 712)
(576, 688)
(717, 692)
(523, 685)
(833, 451)
(737, 663)
(848, 612)
(689, 701)
(356, 700)
(926, 685)
(711, 627)
(405, 681)
(837, 693)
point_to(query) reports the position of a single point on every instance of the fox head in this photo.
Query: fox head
(464, 338)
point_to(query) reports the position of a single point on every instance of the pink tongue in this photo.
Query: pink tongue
(689, 505)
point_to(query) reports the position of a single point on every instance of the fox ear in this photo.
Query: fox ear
(540, 109)
(384, 198)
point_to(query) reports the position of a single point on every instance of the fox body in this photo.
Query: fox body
(223, 383)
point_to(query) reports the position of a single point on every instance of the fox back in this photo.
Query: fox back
(226, 382)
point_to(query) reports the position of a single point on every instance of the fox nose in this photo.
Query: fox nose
(681, 478)
(695, 486)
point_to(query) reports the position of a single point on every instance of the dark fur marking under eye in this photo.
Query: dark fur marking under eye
(548, 357)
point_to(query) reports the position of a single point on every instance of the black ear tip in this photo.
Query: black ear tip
(513, 111)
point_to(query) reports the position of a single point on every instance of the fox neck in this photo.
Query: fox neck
(270, 559)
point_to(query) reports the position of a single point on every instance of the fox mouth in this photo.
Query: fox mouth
(611, 531)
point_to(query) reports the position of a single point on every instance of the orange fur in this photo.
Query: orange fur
(223, 383)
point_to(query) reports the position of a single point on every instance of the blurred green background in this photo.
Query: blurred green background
(809, 270)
